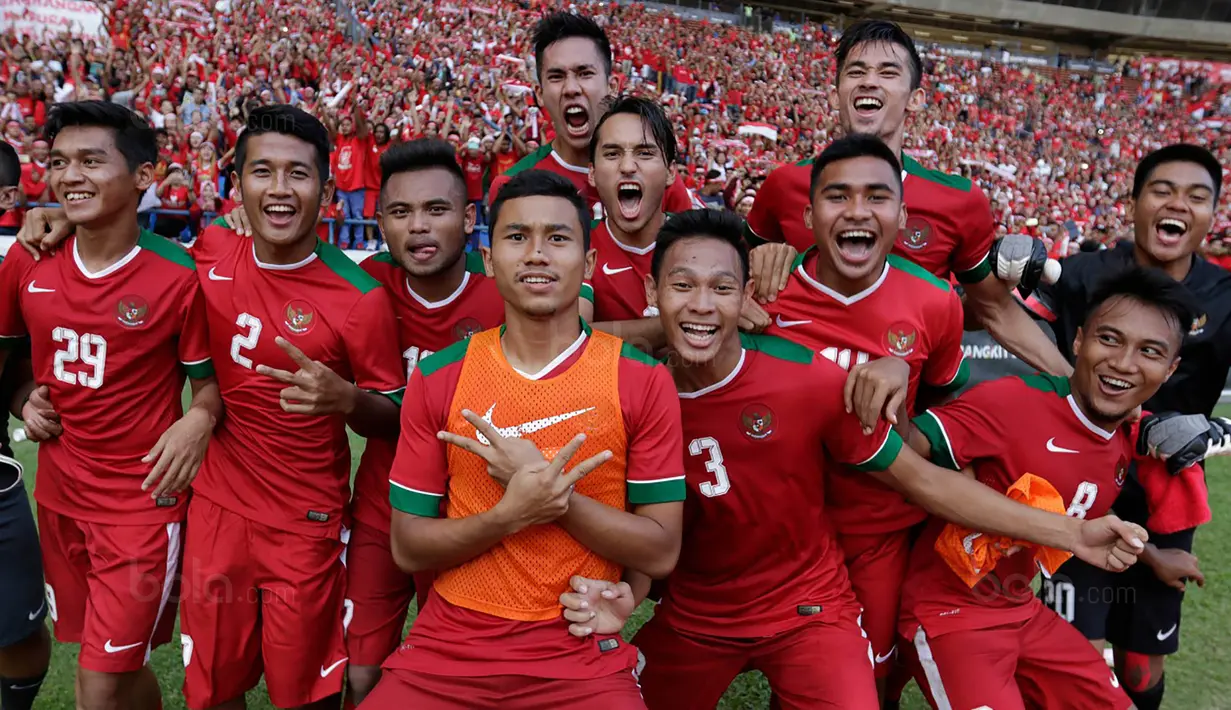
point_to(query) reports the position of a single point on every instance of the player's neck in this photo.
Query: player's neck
(694, 376)
(895, 142)
(531, 343)
(576, 158)
(283, 254)
(829, 276)
(1098, 420)
(1177, 269)
(642, 238)
(101, 246)
(440, 286)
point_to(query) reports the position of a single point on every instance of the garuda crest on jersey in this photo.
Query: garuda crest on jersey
(758, 421)
(300, 317)
(132, 311)
(916, 234)
(1198, 326)
(900, 340)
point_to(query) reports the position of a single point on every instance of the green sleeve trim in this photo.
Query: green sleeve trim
(930, 426)
(474, 263)
(664, 490)
(753, 239)
(806, 162)
(587, 292)
(776, 347)
(885, 455)
(442, 358)
(528, 162)
(199, 370)
(977, 273)
(408, 500)
(799, 258)
(220, 222)
(1044, 382)
(339, 263)
(394, 395)
(165, 248)
(957, 182)
(918, 272)
(959, 380)
(382, 257)
(632, 353)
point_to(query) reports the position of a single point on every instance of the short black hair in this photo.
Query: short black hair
(856, 145)
(10, 165)
(134, 137)
(420, 154)
(1150, 286)
(542, 183)
(866, 31)
(289, 121)
(718, 225)
(558, 26)
(1178, 153)
(652, 117)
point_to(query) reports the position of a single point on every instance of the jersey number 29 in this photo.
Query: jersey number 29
(87, 348)
(721, 484)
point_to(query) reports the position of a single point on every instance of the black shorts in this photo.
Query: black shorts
(1132, 610)
(21, 562)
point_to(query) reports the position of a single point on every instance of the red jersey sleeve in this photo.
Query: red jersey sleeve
(13, 271)
(194, 334)
(499, 182)
(677, 198)
(375, 362)
(968, 428)
(420, 474)
(762, 223)
(969, 261)
(655, 435)
(946, 366)
(844, 437)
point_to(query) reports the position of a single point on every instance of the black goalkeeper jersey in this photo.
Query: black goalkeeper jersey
(1206, 352)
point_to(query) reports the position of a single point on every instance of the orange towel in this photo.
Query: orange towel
(972, 555)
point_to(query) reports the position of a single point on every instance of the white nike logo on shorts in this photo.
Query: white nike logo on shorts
(326, 671)
(1164, 635)
(881, 659)
(39, 610)
(110, 648)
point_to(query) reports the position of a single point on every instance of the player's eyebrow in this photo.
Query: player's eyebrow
(576, 68)
(1173, 186)
(519, 227)
(82, 152)
(267, 162)
(860, 64)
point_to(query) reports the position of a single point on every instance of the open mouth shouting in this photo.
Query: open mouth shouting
(577, 120)
(699, 335)
(867, 105)
(1170, 231)
(629, 194)
(856, 246)
(279, 215)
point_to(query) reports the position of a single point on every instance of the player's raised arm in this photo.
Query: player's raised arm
(1011, 326)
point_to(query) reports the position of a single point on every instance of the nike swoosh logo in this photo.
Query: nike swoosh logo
(516, 432)
(216, 277)
(788, 323)
(881, 659)
(38, 611)
(109, 648)
(1051, 446)
(612, 272)
(1164, 636)
(326, 671)
(35, 289)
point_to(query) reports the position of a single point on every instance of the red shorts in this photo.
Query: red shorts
(258, 598)
(1042, 662)
(109, 587)
(877, 566)
(400, 689)
(370, 198)
(820, 665)
(380, 595)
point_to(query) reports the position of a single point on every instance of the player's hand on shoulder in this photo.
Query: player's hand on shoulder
(877, 390)
(40, 417)
(1175, 568)
(596, 606)
(504, 455)
(1183, 439)
(237, 220)
(42, 229)
(770, 267)
(178, 453)
(1109, 543)
(539, 492)
(753, 318)
(314, 389)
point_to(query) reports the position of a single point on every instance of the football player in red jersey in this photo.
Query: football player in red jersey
(116, 323)
(989, 642)
(633, 164)
(948, 227)
(440, 295)
(761, 416)
(573, 59)
(287, 312)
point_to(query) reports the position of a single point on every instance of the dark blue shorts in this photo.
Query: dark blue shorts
(21, 564)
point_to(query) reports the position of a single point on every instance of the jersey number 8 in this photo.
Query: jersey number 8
(721, 483)
(87, 348)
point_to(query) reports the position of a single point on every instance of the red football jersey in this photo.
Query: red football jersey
(949, 225)
(617, 288)
(290, 471)
(757, 558)
(907, 313)
(677, 198)
(984, 428)
(423, 328)
(114, 348)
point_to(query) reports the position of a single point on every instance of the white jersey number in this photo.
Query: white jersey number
(413, 355)
(242, 342)
(845, 358)
(87, 348)
(1061, 597)
(721, 484)
(1083, 500)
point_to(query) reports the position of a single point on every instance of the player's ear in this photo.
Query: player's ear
(487, 262)
(672, 172)
(1171, 370)
(1130, 208)
(1077, 338)
(591, 261)
(834, 102)
(328, 190)
(144, 177)
(590, 176)
(917, 99)
(8, 198)
(651, 291)
(808, 216)
(902, 217)
(471, 216)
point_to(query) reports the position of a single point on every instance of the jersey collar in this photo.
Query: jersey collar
(721, 383)
(585, 170)
(124, 261)
(283, 267)
(809, 279)
(562, 357)
(1081, 416)
(639, 251)
(432, 305)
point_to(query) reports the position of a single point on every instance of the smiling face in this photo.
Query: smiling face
(574, 85)
(873, 93)
(699, 299)
(538, 255)
(629, 172)
(1125, 351)
(1174, 211)
(281, 188)
(424, 219)
(91, 178)
(855, 216)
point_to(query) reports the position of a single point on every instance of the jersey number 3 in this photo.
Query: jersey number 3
(709, 446)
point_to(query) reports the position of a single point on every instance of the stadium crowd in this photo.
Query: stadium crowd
(1053, 150)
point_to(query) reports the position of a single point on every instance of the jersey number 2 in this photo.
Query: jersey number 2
(721, 484)
(87, 348)
(241, 342)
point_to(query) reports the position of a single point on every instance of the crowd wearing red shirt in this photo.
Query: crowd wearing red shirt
(1054, 150)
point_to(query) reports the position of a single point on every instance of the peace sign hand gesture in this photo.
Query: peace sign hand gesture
(314, 388)
(504, 455)
(539, 492)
